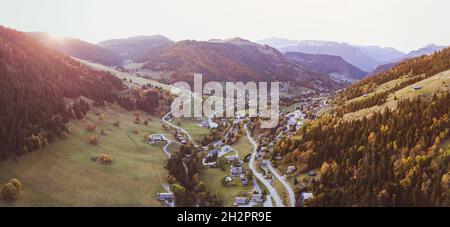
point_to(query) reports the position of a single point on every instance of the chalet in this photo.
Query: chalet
(257, 198)
(244, 180)
(213, 152)
(156, 139)
(167, 196)
(232, 158)
(312, 173)
(241, 201)
(304, 196)
(204, 124)
(291, 169)
(227, 149)
(265, 162)
(235, 171)
(416, 87)
(218, 143)
(212, 124)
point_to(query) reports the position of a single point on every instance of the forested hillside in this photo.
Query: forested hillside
(393, 158)
(35, 81)
(397, 156)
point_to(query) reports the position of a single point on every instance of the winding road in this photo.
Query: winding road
(273, 192)
(178, 128)
(274, 173)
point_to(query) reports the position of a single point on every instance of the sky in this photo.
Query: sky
(402, 24)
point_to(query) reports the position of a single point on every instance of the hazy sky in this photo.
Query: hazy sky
(403, 24)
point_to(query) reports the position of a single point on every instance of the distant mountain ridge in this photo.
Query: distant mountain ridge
(233, 60)
(137, 48)
(79, 49)
(366, 58)
(331, 65)
(427, 50)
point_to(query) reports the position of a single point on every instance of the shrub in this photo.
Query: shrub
(10, 191)
(104, 158)
(93, 140)
(91, 127)
(101, 117)
(116, 123)
(16, 183)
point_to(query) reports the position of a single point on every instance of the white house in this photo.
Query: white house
(218, 143)
(304, 196)
(236, 171)
(232, 158)
(166, 196)
(227, 149)
(241, 201)
(156, 139)
(291, 169)
(244, 180)
(265, 162)
(257, 198)
(416, 87)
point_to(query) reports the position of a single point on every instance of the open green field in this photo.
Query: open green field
(62, 173)
(243, 146)
(196, 131)
(213, 178)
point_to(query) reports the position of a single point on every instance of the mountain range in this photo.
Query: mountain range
(313, 64)
(367, 58)
(137, 48)
(334, 66)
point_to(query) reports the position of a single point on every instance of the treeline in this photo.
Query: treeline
(152, 100)
(35, 81)
(394, 158)
(189, 191)
(428, 65)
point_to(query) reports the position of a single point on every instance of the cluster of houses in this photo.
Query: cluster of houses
(295, 120)
(220, 150)
(206, 123)
(245, 201)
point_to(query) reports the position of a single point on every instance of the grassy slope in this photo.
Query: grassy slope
(62, 173)
(193, 128)
(440, 81)
(213, 179)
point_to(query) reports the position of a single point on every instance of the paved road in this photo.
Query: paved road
(178, 128)
(272, 190)
(165, 146)
(285, 184)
